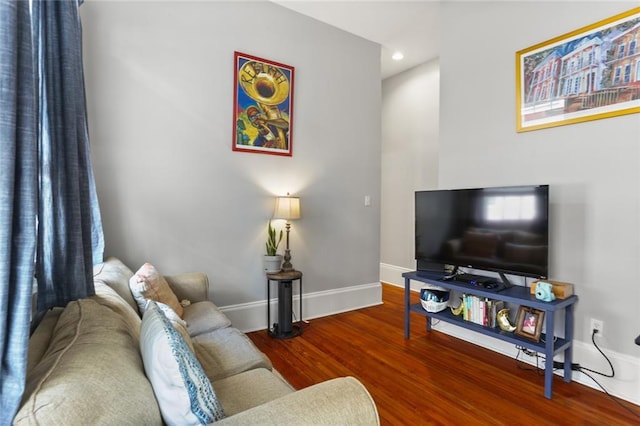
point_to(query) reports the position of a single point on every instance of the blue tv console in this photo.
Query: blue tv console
(517, 295)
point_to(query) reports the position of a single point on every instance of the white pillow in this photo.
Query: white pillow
(177, 322)
(148, 284)
(183, 391)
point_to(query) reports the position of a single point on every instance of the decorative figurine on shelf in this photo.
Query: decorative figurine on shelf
(544, 292)
(457, 310)
(503, 320)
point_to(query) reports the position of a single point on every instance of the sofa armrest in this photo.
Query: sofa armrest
(342, 401)
(193, 286)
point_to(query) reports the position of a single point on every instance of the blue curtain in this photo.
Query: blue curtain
(18, 198)
(69, 223)
(50, 223)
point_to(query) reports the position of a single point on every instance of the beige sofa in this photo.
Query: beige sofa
(85, 366)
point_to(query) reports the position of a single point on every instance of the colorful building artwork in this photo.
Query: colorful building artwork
(593, 72)
(582, 68)
(544, 81)
(624, 59)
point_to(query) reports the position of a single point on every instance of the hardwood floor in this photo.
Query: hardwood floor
(432, 378)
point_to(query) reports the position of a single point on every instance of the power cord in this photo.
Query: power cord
(577, 367)
(593, 340)
(558, 365)
(523, 350)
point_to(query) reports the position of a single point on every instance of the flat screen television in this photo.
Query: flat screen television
(499, 229)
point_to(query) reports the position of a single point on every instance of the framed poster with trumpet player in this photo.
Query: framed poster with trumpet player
(262, 106)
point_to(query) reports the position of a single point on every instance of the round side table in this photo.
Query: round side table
(284, 328)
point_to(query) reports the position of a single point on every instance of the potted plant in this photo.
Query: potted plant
(272, 260)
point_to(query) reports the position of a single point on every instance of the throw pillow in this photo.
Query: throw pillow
(177, 322)
(148, 283)
(183, 391)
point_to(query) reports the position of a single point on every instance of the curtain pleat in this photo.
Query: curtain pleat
(18, 199)
(68, 214)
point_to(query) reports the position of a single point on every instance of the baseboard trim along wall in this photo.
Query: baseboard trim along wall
(252, 316)
(625, 384)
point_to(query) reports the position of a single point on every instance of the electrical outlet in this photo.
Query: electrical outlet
(597, 325)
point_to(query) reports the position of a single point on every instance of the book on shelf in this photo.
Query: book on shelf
(481, 310)
(496, 306)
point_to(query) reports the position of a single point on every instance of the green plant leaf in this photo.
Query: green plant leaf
(272, 244)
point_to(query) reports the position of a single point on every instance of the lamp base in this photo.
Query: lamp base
(287, 266)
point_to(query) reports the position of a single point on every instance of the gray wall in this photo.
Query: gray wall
(593, 168)
(159, 81)
(410, 152)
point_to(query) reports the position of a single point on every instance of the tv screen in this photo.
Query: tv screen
(501, 229)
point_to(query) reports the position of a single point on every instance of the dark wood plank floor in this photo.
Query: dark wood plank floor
(433, 378)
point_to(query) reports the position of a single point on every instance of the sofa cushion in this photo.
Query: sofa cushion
(148, 283)
(341, 401)
(192, 286)
(41, 337)
(202, 317)
(227, 351)
(182, 389)
(107, 296)
(116, 275)
(92, 361)
(250, 389)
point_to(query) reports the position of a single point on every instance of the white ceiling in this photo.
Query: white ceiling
(409, 26)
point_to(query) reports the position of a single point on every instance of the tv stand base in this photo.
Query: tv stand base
(549, 346)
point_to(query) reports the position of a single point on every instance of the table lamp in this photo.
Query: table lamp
(287, 208)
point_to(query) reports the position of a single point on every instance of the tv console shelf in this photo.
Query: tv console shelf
(516, 295)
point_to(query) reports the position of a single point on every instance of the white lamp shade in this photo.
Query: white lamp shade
(287, 208)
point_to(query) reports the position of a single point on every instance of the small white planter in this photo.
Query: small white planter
(273, 264)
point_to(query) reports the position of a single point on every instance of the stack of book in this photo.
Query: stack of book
(481, 310)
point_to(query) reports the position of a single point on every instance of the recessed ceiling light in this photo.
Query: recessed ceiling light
(397, 56)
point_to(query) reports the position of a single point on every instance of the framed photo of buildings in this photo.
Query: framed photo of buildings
(262, 106)
(587, 74)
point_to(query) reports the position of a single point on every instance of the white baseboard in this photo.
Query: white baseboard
(392, 274)
(252, 316)
(625, 384)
